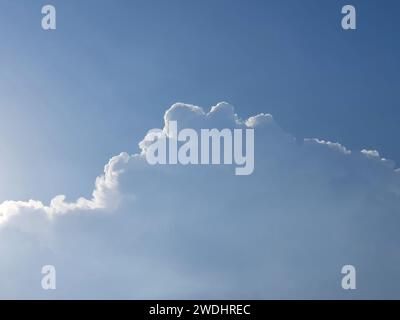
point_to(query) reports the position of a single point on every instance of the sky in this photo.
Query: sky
(75, 97)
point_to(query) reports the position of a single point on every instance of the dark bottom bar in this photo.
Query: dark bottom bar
(192, 309)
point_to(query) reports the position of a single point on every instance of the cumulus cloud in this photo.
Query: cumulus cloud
(104, 196)
(175, 231)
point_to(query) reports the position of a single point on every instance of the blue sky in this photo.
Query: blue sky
(74, 97)
(111, 69)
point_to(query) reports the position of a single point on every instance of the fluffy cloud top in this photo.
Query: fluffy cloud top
(174, 231)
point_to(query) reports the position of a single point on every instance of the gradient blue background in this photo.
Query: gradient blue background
(74, 97)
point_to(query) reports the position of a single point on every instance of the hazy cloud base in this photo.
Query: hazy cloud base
(176, 231)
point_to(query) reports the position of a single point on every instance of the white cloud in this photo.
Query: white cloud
(104, 196)
(332, 145)
(201, 232)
